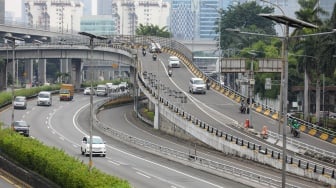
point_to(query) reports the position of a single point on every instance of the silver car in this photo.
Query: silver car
(20, 102)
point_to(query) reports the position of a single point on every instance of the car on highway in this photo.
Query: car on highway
(21, 127)
(44, 98)
(98, 146)
(197, 85)
(87, 91)
(20, 102)
(174, 62)
(101, 90)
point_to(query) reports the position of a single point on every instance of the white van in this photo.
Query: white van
(101, 90)
(44, 98)
(174, 62)
(197, 85)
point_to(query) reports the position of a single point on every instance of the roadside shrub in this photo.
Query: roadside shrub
(54, 164)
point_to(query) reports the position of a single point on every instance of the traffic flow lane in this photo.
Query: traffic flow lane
(228, 107)
(122, 119)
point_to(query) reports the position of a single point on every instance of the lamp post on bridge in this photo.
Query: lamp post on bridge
(288, 22)
(91, 36)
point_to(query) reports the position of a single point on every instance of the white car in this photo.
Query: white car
(197, 85)
(101, 90)
(87, 91)
(20, 102)
(98, 146)
(173, 62)
(44, 98)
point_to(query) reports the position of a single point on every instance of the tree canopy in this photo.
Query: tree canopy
(244, 17)
(153, 30)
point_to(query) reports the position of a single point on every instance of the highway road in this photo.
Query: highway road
(6, 182)
(218, 110)
(59, 126)
(63, 125)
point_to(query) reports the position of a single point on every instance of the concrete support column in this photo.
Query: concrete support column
(64, 65)
(157, 117)
(151, 106)
(42, 70)
(10, 70)
(29, 71)
(77, 77)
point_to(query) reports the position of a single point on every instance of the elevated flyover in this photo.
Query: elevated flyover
(175, 48)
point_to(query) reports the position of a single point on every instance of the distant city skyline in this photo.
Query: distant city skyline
(15, 7)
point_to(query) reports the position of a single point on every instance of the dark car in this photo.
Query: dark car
(21, 127)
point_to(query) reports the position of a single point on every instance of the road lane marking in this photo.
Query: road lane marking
(140, 158)
(144, 175)
(159, 178)
(117, 164)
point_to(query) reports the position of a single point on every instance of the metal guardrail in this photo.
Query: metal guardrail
(179, 156)
(306, 148)
(300, 163)
(141, 40)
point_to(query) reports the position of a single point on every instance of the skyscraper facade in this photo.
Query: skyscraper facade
(2, 11)
(104, 7)
(182, 19)
(195, 20)
(87, 7)
(128, 15)
(57, 15)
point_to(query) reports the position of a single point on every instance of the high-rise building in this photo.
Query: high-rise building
(57, 15)
(104, 7)
(98, 25)
(2, 11)
(87, 7)
(129, 14)
(182, 18)
(209, 13)
(195, 20)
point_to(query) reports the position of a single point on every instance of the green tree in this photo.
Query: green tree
(152, 30)
(311, 49)
(262, 49)
(244, 17)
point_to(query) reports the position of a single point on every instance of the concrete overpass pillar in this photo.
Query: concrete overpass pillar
(29, 71)
(151, 106)
(10, 72)
(157, 117)
(64, 65)
(76, 73)
(42, 70)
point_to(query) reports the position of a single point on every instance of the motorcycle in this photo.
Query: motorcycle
(294, 127)
(244, 109)
(170, 72)
(154, 57)
(144, 52)
(208, 84)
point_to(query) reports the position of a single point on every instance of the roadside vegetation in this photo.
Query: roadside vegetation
(310, 59)
(53, 163)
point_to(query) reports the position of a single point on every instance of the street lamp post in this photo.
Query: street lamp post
(251, 84)
(91, 36)
(13, 39)
(288, 22)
